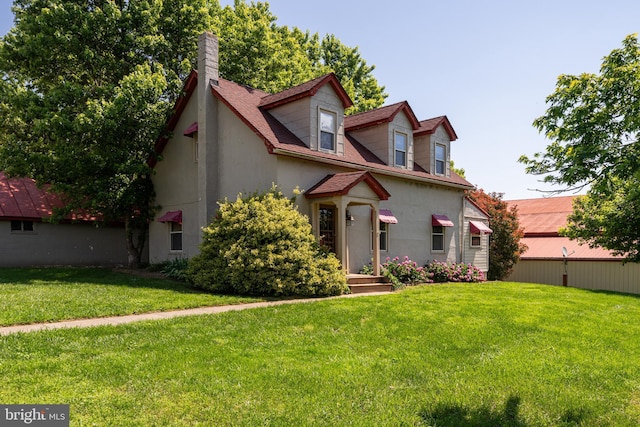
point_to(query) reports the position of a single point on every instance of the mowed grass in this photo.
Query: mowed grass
(53, 294)
(493, 354)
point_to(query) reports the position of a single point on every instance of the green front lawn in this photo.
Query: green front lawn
(490, 354)
(52, 294)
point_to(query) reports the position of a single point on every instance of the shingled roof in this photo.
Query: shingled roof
(379, 116)
(306, 89)
(429, 126)
(339, 184)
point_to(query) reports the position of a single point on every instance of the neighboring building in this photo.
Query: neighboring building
(545, 260)
(27, 239)
(375, 184)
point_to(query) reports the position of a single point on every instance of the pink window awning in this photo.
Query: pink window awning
(441, 220)
(171, 216)
(387, 216)
(193, 128)
(478, 227)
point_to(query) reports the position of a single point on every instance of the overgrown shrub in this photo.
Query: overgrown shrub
(262, 245)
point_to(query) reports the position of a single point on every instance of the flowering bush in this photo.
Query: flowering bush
(451, 272)
(407, 272)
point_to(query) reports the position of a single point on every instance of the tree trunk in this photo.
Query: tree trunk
(136, 239)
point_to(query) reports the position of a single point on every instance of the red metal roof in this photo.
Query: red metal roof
(20, 198)
(340, 184)
(541, 220)
(543, 215)
(551, 248)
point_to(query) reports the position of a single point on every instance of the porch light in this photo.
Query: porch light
(350, 219)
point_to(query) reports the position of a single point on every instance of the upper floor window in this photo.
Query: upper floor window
(327, 130)
(441, 159)
(400, 143)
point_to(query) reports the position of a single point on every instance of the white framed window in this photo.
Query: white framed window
(384, 237)
(437, 238)
(441, 159)
(328, 131)
(175, 236)
(400, 149)
(476, 240)
(22, 226)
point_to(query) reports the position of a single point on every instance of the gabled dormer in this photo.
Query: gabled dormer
(387, 132)
(432, 145)
(314, 112)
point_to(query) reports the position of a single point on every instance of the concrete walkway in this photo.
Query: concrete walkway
(119, 320)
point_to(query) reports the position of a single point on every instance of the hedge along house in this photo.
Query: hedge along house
(375, 184)
(29, 239)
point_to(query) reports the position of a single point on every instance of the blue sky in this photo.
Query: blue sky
(488, 65)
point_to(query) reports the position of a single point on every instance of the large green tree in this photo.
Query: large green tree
(505, 247)
(593, 122)
(87, 85)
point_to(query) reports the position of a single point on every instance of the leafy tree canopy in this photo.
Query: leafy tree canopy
(593, 122)
(86, 87)
(505, 247)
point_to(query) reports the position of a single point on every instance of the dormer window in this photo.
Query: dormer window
(400, 144)
(328, 122)
(441, 159)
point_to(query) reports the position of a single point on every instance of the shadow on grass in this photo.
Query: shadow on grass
(93, 275)
(446, 415)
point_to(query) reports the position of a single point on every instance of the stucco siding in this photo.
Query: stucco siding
(63, 244)
(245, 164)
(176, 186)
(594, 275)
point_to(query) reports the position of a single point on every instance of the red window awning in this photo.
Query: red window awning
(441, 220)
(171, 216)
(386, 215)
(478, 227)
(193, 128)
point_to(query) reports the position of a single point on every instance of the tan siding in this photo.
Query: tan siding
(422, 151)
(376, 139)
(595, 275)
(297, 117)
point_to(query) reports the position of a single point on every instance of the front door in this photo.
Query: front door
(328, 227)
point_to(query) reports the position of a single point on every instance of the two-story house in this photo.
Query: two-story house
(374, 184)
